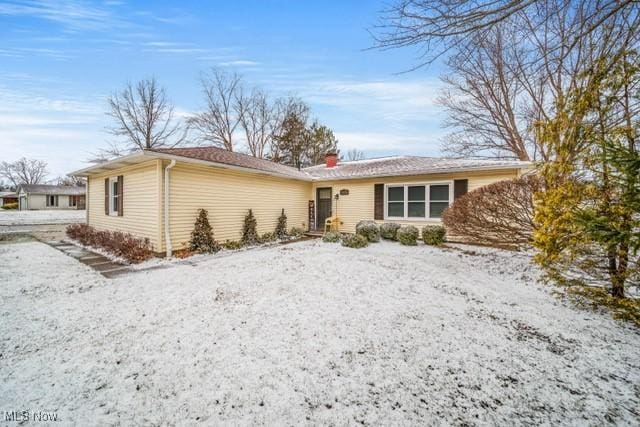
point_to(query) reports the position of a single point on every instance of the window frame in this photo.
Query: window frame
(113, 196)
(427, 202)
(52, 201)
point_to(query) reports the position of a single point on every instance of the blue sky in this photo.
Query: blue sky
(60, 60)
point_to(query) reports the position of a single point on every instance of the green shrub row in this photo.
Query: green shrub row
(202, 239)
(369, 231)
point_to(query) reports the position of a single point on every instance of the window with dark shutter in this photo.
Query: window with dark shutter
(460, 187)
(106, 196)
(120, 193)
(378, 201)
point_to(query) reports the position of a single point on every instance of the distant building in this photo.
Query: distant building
(7, 197)
(37, 197)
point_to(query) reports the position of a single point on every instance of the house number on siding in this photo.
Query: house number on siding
(344, 192)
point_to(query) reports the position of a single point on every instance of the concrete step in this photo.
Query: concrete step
(97, 262)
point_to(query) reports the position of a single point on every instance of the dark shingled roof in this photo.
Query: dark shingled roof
(407, 165)
(218, 155)
(62, 190)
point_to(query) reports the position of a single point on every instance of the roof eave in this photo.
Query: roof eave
(176, 157)
(135, 158)
(524, 165)
(117, 163)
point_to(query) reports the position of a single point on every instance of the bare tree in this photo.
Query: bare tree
(144, 116)
(259, 120)
(24, 171)
(355, 154)
(438, 26)
(71, 181)
(482, 98)
(218, 122)
(512, 63)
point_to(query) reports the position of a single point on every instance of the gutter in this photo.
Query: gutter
(487, 168)
(167, 230)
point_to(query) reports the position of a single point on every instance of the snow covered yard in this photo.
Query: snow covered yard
(16, 217)
(310, 333)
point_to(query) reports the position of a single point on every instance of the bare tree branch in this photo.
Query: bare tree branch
(355, 154)
(218, 121)
(144, 118)
(24, 171)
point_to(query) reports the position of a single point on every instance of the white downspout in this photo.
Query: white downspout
(167, 230)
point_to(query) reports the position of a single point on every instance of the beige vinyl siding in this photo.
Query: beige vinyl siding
(39, 202)
(359, 204)
(36, 201)
(228, 195)
(140, 202)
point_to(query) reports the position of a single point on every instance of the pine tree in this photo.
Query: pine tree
(202, 235)
(588, 217)
(281, 228)
(249, 229)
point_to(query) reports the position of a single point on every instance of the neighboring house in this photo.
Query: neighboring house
(7, 197)
(40, 196)
(156, 193)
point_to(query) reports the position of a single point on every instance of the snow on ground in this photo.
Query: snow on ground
(16, 217)
(310, 333)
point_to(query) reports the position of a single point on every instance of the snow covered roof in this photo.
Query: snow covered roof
(52, 189)
(369, 168)
(407, 165)
(8, 194)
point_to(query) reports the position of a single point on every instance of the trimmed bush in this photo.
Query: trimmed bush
(202, 235)
(354, 241)
(296, 232)
(281, 227)
(368, 229)
(332, 237)
(232, 245)
(122, 245)
(433, 235)
(388, 230)
(249, 230)
(499, 214)
(407, 235)
(10, 206)
(268, 237)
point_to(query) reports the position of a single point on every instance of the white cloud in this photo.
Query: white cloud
(62, 131)
(239, 63)
(392, 100)
(380, 143)
(70, 14)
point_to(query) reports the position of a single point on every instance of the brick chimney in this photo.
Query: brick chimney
(331, 159)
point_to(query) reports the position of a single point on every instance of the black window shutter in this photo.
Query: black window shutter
(106, 196)
(120, 193)
(378, 201)
(460, 187)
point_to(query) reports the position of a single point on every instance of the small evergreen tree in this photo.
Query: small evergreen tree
(249, 229)
(202, 235)
(281, 228)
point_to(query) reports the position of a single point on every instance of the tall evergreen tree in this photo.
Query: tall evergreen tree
(202, 235)
(589, 215)
(281, 227)
(249, 229)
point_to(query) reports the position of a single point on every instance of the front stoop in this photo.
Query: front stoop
(97, 262)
